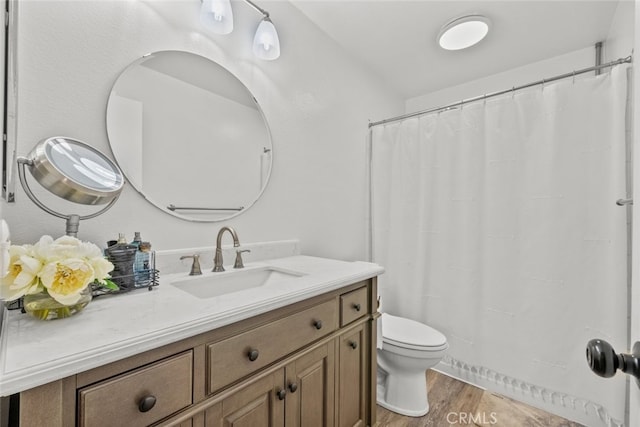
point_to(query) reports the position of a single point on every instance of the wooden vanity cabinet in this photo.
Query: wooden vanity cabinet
(240, 355)
(309, 364)
(352, 376)
(309, 383)
(257, 405)
(298, 394)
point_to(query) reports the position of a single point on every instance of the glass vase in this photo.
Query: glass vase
(44, 307)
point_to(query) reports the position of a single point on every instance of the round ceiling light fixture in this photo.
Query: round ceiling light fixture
(463, 32)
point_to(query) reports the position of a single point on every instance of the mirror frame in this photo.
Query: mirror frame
(161, 206)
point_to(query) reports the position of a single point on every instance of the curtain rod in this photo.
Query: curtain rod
(628, 59)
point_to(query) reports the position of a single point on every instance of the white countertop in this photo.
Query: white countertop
(35, 352)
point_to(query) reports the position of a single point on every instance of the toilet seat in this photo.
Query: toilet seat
(409, 334)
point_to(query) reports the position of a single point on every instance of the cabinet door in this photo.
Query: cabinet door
(260, 404)
(195, 421)
(310, 389)
(352, 371)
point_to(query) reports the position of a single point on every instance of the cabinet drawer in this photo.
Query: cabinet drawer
(118, 401)
(240, 355)
(353, 305)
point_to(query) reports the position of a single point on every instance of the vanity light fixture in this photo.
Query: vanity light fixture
(463, 32)
(266, 44)
(73, 171)
(217, 15)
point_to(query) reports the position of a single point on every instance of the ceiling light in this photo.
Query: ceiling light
(463, 32)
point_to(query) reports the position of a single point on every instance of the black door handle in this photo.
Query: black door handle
(604, 361)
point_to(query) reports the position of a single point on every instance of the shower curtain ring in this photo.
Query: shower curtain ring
(513, 91)
(574, 76)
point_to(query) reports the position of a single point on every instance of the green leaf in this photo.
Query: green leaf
(109, 284)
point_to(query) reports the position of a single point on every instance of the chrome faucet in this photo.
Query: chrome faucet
(217, 260)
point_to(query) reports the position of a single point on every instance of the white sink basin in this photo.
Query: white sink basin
(212, 285)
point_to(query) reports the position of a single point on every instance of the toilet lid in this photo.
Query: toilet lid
(407, 332)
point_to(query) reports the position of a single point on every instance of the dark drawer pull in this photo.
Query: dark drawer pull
(293, 387)
(356, 307)
(253, 355)
(353, 344)
(318, 324)
(281, 394)
(146, 403)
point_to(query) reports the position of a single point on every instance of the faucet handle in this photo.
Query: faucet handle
(239, 263)
(195, 267)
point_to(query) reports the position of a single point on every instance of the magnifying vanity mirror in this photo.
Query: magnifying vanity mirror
(189, 136)
(74, 171)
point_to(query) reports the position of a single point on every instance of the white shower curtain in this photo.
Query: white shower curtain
(497, 225)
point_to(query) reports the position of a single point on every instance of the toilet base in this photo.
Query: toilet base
(403, 394)
(402, 411)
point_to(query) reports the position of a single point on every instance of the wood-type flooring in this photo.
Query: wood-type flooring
(456, 403)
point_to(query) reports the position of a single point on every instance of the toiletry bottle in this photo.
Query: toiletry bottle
(144, 258)
(122, 256)
(137, 264)
(141, 264)
(136, 239)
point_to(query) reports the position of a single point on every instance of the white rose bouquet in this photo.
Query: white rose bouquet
(62, 268)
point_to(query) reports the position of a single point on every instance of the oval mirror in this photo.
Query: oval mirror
(189, 136)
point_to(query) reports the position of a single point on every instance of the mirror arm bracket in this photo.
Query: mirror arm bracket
(22, 162)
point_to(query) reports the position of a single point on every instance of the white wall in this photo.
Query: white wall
(619, 44)
(316, 99)
(621, 38)
(582, 58)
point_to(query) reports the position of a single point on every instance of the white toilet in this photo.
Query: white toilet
(409, 348)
